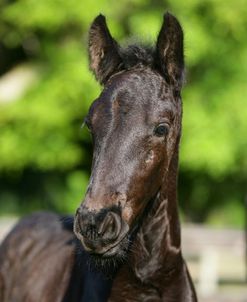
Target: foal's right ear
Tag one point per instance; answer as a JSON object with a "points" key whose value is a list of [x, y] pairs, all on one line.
{"points": [[103, 50]]}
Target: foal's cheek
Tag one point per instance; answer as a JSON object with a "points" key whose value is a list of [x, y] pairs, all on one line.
{"points": [[147, 181]]}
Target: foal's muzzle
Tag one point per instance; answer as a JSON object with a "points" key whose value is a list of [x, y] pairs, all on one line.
{"points": [[101, 232]]}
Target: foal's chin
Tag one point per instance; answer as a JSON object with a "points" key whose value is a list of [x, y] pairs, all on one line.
{"points": [[110, 259]]}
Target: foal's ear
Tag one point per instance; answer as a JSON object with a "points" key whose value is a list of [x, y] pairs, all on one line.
{"points": [[103, 50], [170, 52]]}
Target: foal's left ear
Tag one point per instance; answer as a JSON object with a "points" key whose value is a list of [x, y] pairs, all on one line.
{"points": [[103, 50], [170, 51]]}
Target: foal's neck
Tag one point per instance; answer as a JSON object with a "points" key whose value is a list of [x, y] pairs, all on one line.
{"points": [[157, 253]]}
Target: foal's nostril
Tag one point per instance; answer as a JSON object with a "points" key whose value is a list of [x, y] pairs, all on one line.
{"points": [[110, 227]]}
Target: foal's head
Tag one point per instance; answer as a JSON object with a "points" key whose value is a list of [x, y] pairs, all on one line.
{"points": [[135, 124]]}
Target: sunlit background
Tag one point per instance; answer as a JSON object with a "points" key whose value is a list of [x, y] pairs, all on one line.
{"points": [[46, 89]]}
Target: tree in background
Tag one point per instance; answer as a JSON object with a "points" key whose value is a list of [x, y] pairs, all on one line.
{"points": [[45, 155]]}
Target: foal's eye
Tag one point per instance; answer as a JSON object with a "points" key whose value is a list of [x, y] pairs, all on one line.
{"points": [[161, 130]]}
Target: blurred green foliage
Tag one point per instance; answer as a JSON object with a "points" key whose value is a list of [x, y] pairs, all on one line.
{"points": [[45, 157]]}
